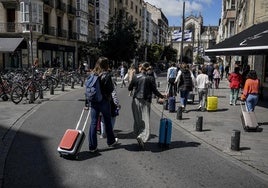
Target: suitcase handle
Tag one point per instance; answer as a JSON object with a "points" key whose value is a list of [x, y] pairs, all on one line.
{"points": [[166, 92], [242, 106], [80, 119]]}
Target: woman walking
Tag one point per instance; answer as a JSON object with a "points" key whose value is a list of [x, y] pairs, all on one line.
{"points": [[251, 91], [103, 107], [235, 79]]}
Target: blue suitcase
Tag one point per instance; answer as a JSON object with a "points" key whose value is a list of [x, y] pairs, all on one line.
{"points": [[172, 104], [165, 131]]}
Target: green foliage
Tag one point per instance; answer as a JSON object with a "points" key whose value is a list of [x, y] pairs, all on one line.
{"points": [[170, 53], [121, 41]]}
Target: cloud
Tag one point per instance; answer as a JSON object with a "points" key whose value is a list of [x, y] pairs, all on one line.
{"points": [[174, 8]]}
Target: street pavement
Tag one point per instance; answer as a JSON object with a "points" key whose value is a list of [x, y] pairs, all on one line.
{"points": [[218, 127], [13, 115]]}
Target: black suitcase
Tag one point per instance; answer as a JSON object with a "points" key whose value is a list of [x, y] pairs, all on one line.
{"points": [[172, 104]]}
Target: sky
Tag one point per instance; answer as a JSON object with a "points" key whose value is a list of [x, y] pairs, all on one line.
{"points": [[173, 10]]}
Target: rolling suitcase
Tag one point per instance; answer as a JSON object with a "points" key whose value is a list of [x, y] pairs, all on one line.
{"points": [[165, 131], [73, 139], [172, 104], [249, 120], [212, 102]]}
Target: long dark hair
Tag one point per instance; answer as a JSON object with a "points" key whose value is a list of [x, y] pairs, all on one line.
{"points": [[252, 75]]}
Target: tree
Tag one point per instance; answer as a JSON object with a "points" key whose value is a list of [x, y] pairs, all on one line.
{"points": [[121, 41], [152, 52], [170, 53]]}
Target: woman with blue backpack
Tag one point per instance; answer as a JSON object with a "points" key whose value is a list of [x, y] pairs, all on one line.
{"points": [[99, 88]]}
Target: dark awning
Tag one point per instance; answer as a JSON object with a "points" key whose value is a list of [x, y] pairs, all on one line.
{"points": [[9, 44], [252, 41]]}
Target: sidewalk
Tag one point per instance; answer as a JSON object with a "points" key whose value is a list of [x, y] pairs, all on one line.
{"points": [[12, 116], [218, 128]]}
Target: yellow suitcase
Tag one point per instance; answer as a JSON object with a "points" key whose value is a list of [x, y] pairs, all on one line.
{"points": [[212, 103]]}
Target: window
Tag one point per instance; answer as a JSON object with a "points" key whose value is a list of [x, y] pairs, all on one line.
{"points": [[233, 4], [232, 28], [31, 13], [24, 12]]}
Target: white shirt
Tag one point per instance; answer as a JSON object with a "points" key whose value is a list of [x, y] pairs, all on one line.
{"points": [[202, 81]]}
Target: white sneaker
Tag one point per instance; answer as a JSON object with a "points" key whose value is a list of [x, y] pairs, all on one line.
{"points": [[115, 143]]}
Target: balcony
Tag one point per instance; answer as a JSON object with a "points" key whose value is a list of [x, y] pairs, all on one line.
{"points": [[61, 6], [10, 27], [49, 3], [72, 35], [91, 2], [229, 14], [71, 9], [91, 19], [9, 3]]}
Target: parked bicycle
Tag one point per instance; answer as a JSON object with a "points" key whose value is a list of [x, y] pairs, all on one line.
{"points": [[28, 87]]}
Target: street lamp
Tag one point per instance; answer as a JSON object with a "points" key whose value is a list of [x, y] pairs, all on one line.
{"points": [[31, 33]]}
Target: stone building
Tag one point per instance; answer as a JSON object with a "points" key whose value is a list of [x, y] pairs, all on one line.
{"points": [[197, 38], [51, 30], [241, 16]]}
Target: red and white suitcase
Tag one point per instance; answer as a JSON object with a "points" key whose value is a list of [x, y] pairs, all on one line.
{"points": [[249, 120], [73, 139]]}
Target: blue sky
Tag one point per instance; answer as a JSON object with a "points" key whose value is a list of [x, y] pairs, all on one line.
{"points": [[173, 10]]}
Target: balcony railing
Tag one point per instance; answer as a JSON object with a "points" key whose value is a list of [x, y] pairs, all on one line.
{"points": [[61, 6], [49, 2], [91, 2], [71, 9], [12, 27]]}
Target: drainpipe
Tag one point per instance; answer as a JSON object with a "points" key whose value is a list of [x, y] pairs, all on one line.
{"points": [[253, 16]]}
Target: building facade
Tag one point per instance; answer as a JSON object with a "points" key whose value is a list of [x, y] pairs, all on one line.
{"points": [[197, 38], [238, 15], [101, 16], [159, 33], [52, 31]]}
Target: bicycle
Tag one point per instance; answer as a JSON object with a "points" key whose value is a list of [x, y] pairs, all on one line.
{"points": [[24, 90]]}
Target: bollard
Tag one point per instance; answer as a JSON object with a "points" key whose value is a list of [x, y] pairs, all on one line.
{"points": [[82, 83], [235, 140], [158, 84], [179, 113], [51, 89], [199, 123], [31, 99], [72, 86], [41, 94], [62, 86]]}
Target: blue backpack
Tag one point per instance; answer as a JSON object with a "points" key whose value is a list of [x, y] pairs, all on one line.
{"points": [[93, 90]]}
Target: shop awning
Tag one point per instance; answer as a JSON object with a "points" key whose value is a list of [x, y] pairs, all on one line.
{"points": [[252, 41], [9, 44]]}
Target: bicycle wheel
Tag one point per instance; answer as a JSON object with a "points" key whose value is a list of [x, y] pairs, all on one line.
{"points": [[34, 87], [16, 94], [44, 84]]}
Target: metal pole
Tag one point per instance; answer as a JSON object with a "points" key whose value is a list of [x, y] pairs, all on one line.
{"points": [[31, 34], [182, 34]]}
